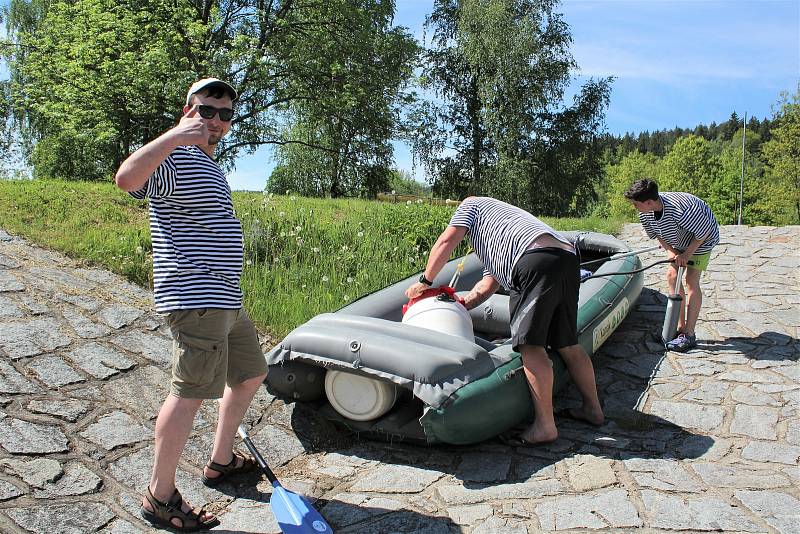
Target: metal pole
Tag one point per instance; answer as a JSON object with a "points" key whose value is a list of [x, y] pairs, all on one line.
{"points": [[741, 183]]}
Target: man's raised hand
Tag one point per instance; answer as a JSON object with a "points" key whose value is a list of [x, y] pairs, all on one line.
{"points": [[192, 129]]}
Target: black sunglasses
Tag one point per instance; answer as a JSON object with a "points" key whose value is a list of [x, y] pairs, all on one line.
{"points": [[208, 112]]}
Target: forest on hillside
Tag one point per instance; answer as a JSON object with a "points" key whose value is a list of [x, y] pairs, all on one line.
{"points": [[331, 84]]}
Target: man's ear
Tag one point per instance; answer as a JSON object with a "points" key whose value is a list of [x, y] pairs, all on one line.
{"points": [[186, 109]]}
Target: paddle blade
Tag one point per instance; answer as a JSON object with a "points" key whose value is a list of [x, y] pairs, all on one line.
{"points": [[294, 513]]}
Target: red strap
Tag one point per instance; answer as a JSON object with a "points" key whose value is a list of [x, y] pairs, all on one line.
{"points": [[434, 292]]}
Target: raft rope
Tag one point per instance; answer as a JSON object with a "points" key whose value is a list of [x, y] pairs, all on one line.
{"points": [[459, 268]]}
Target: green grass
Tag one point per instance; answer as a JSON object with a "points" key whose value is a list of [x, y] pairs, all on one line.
{"points": [[302, 256]]}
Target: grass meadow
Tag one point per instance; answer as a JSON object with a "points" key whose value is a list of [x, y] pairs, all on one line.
{"points": [[303, 256]]}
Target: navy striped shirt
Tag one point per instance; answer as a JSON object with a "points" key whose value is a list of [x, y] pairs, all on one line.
{"points": [[500, 233], [684, 218], [197, 239]]}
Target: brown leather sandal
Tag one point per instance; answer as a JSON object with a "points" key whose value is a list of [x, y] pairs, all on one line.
{"points": [[225, 471], [164, 512]]}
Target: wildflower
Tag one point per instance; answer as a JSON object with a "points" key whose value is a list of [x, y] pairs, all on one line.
{"points": [[139, 250], [249, 262], [298, 228], [282, 214], [303, 286], [346, 298], [344, 248], [324, 278], [300, 242], [419, 201], [315, 250], [393, 191], [287, 192], [408, 202], [395, 249], [292, 198], [360, 234], [349, 279], [283, 234]]}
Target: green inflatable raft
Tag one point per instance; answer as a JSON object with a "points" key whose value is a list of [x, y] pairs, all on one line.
{"points": [[371, 373]]}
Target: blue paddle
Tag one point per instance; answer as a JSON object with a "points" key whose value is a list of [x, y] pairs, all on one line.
{"points": [[294, 513]]}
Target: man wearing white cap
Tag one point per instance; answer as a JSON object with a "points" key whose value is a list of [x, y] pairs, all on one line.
{"points": [[197, 264]]}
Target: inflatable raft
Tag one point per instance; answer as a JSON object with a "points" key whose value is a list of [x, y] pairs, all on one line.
{"points": [[433, 379]]}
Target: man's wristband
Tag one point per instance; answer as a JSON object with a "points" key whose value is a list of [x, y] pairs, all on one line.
{"points": [[423, 280]]}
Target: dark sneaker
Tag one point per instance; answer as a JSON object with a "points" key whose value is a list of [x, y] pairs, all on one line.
{"points": [[682, 343]]}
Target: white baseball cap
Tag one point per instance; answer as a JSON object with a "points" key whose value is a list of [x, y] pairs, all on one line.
{"points": [[205, 83]]}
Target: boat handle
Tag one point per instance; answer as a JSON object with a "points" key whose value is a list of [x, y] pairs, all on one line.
{"points": [[510, 374]]}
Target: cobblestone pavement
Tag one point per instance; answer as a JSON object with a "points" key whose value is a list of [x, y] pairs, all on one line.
{"points": [[704, 441]]}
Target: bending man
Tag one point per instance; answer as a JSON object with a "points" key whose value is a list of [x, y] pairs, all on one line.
{"points": [[540, 269], [197, 263], [687, 230]]}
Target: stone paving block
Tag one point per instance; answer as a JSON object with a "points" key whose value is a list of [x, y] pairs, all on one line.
{"points": [[116, 429], [662, 475], [54, 372], [748, 395], [738, 476], [11, 381], [127, 391], [529, 468], [9, 491], [688, 415], [119, 315], [31, 337], [676, 512], [767, 451], [155, 348], [37, 472], [750, 377], [483, 467], [278, 446], [530, 489], [699, 367], [469, 514], [10, 283], [85, 302], [21, 437], [67, 409], [121, 526], [85, 327], [586, 473], [500, 525], [9, 308], [77, 480], [100, 361], [778, 509], [245, 515], [755, 421], [609, 509], [396, 479], [33, 306], [709, 392], [73, 518]]}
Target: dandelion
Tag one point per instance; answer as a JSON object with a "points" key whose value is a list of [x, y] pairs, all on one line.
{"points": [[291, 233], [419, 201], [298, 228], [349, 279], [303, 286], [360, 234], [315, 250], [344, 248], [324, 279], [287, 192], [292, 198], [282, 214], [408, 202], [395, 249], [346, 298], [283, 234], [300, 242], [139, 250], [393, 191], [249, 262]]}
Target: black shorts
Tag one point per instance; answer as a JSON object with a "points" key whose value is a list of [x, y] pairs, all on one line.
{"points": [[543, 301]]}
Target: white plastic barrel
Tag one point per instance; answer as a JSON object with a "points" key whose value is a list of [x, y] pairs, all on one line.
{"points": [[357, 397], [445, 316]]}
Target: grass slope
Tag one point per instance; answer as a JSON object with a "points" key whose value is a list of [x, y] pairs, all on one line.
{"points": [[303, 256]]}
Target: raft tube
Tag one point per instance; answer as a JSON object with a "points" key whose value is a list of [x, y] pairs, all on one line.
{"points": [[451, 390]]}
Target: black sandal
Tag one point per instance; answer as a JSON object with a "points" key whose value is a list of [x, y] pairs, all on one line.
{"points": [[225, 471], [164, 512]]}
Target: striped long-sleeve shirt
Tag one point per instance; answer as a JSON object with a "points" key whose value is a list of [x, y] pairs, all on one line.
{"points": [[197, 239], [500, 233], [684, 218]]}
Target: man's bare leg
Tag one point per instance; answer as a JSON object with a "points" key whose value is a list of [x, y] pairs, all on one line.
{"points": [[694, 297], [173, 426], [232, 408], [539, 373], [672, 276], [581, 370]]}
